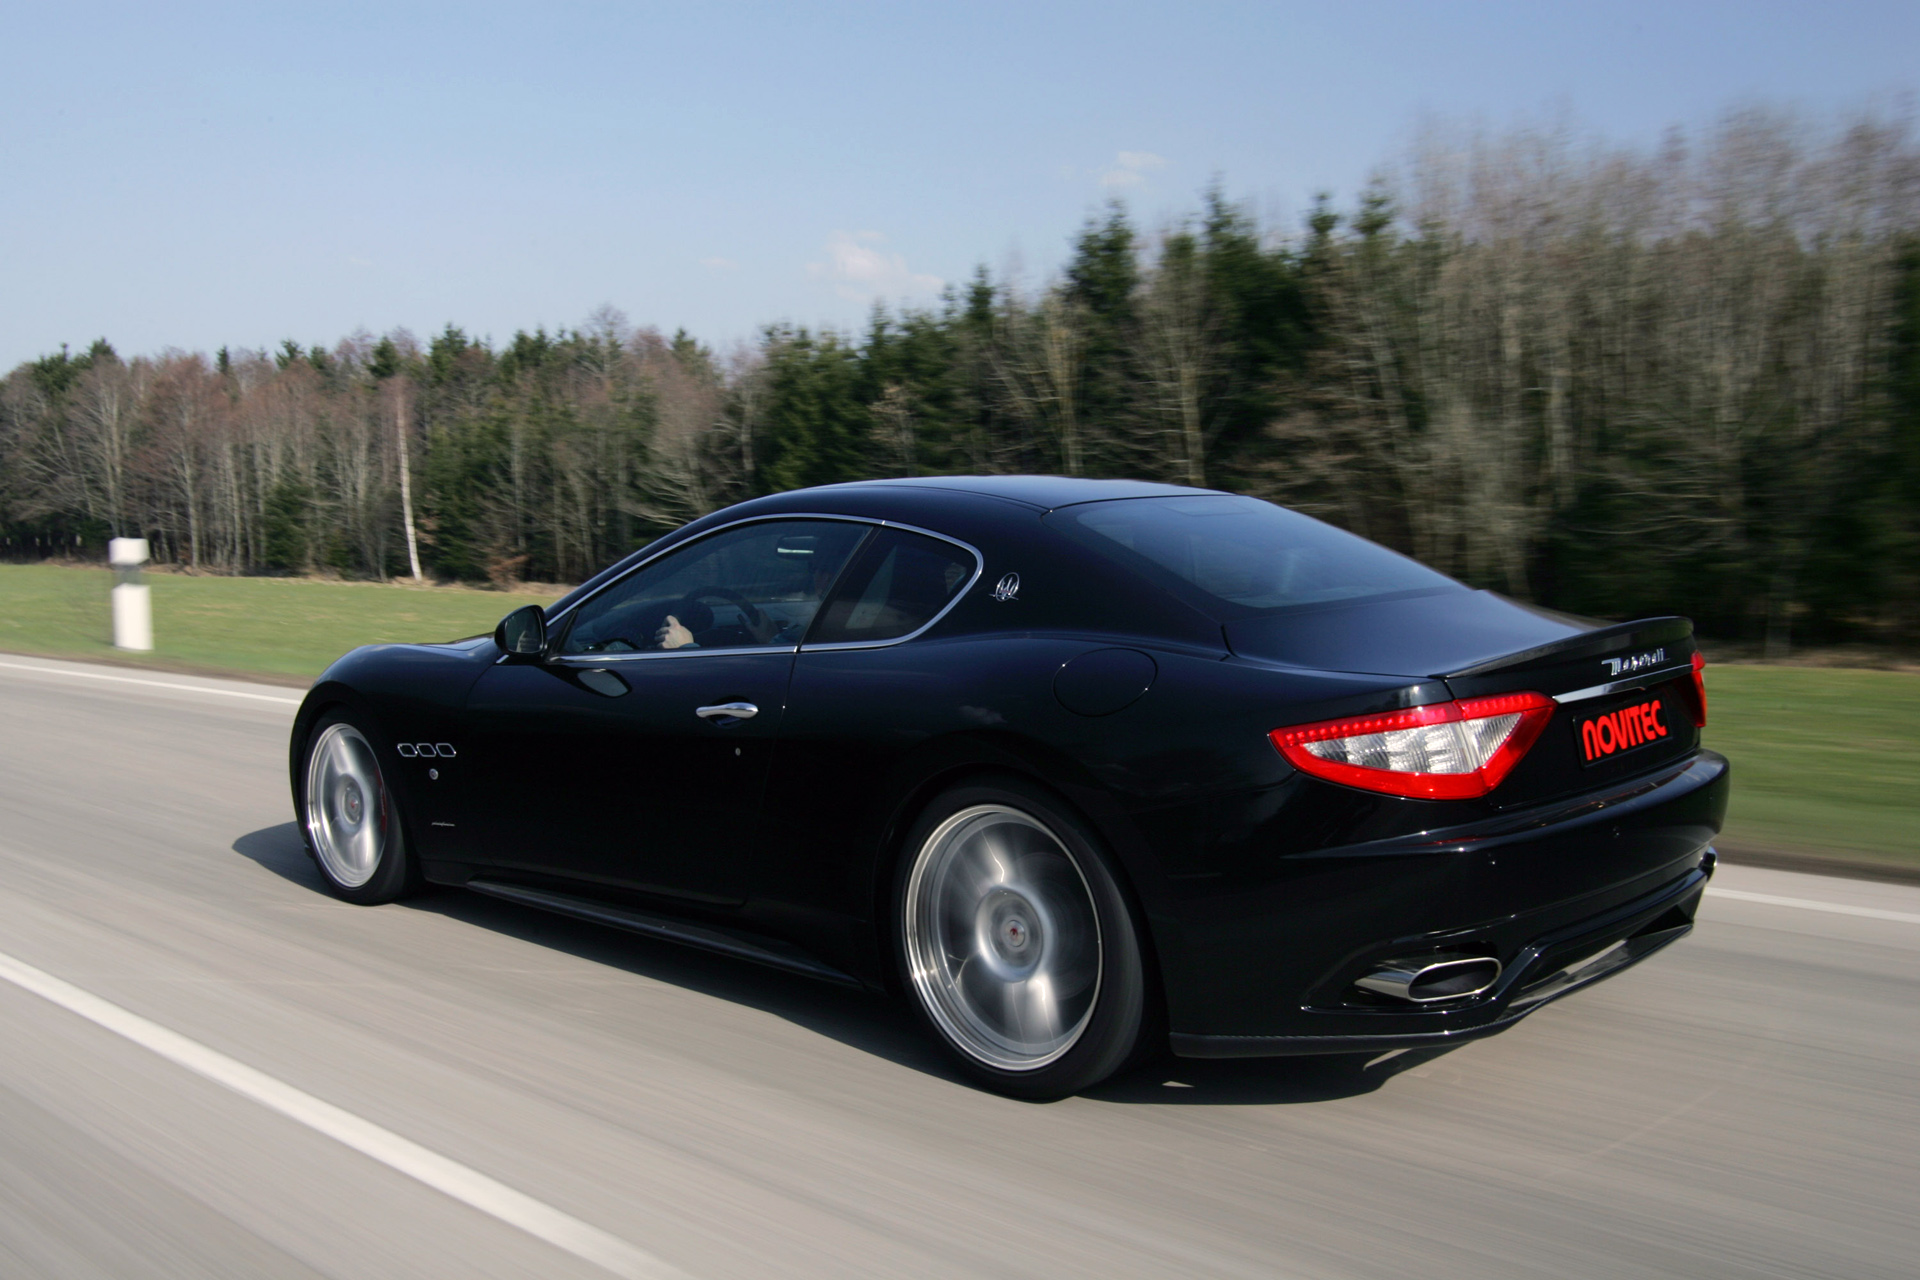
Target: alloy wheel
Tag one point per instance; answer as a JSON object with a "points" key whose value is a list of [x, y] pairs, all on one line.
{"points": [[348, 813], [1002, 938]]}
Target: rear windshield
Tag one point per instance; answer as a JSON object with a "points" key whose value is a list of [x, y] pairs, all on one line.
{"points": [[1245, 555]]}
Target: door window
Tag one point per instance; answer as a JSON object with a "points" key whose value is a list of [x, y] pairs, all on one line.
{"points": [[900, 584], [754, 586]]}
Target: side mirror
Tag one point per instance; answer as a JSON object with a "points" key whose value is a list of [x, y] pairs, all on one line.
{"points": [[523, 633]]}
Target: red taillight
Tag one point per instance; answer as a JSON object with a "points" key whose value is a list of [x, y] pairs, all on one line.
{"points": [[1699, 707], [1444, 751]]}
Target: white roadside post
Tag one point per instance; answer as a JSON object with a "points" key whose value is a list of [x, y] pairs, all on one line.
{"points": [[132, 607]]}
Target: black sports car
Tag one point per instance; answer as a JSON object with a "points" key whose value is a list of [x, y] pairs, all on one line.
{"points": [[1083, 768]]}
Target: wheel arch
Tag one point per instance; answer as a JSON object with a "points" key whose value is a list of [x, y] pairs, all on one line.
{"points": [[944, 764], [324, 698]]}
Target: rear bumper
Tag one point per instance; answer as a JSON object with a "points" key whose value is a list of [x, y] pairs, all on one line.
{"points": [[1561, 895], [1550, 967]]}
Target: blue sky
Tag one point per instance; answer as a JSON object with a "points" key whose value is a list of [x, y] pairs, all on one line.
{"points": [[198, 176]]}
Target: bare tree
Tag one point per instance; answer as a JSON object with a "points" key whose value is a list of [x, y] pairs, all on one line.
{"points": [[398, 402], [1038, 362], [893, 421], [106, 417], [1179, 347], [188, 405]]}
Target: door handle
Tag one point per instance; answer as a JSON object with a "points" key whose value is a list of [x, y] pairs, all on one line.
{"points": [[728, 711]]}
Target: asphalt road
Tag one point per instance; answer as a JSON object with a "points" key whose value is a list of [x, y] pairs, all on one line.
{"points": [[228, 1073]]}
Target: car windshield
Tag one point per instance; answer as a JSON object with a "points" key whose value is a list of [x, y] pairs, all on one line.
{"points": [[1246, 555]]}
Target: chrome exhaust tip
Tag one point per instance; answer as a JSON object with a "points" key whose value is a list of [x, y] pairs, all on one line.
{"points": [[1431, 979]]}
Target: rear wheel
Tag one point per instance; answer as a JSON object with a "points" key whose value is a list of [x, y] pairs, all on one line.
{"points": [[1017, 943], [349, 816]]}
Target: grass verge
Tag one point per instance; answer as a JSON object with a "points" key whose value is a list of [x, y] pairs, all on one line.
{"points": [[1826, 761], [280, 628]]}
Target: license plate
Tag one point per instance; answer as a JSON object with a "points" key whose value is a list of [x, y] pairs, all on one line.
{"points": [[1629, 728]]}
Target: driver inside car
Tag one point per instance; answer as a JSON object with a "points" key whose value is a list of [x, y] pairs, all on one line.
{"points": [[676, 634]]}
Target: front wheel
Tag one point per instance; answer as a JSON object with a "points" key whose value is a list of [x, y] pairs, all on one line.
{"points": [[349, 817], [1017, 943]]}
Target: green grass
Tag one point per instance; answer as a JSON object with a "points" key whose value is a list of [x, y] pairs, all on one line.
{"points": [[263, 626], [1826, 762]]}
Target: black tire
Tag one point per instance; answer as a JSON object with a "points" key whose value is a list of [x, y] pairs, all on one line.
{"points": [[1015, 941], [352, 825]]}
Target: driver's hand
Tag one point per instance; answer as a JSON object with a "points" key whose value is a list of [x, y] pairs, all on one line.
{"points": [[673, 635]]}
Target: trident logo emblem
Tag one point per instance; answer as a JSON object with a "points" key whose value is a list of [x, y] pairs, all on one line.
{"points": [[1007, 588]]}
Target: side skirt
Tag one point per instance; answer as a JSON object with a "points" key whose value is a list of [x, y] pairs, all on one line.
{"points": [[768, 951]]}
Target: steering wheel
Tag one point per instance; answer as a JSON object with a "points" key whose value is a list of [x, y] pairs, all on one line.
{"points": [[756, 620]]}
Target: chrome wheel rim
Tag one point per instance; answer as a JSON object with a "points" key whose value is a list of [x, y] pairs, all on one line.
{"points": [[348, 815], [1002, 940]]}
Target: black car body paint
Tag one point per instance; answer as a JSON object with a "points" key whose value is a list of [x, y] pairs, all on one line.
{"points": [[1263, 892]]}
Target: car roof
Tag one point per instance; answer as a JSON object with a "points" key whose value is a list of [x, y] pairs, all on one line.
{"points": [[1043, 493], [869, 498]]}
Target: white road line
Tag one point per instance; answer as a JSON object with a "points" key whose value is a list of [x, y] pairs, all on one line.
{"points": [[1809, 904], [468, 1186], [156, 684]]}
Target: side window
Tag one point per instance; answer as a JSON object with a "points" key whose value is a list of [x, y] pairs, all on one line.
{"points": [[896, 587], [757, 585]]}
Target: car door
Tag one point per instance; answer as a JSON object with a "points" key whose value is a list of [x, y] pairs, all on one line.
{"points": [[862, 693], [634, 755]]}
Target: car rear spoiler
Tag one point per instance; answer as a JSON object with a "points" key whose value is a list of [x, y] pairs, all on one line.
{"points": [[1647, 633]]}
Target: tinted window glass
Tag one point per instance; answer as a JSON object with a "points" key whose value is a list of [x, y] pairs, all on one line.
{"points": [[756, 585], [1244, 553], [898, 585]]}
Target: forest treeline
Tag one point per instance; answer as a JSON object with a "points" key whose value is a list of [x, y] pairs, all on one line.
{"points": [[1612, 381]]}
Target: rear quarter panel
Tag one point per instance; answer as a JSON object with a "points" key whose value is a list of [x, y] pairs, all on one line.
{"points": [[872, 735]]}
